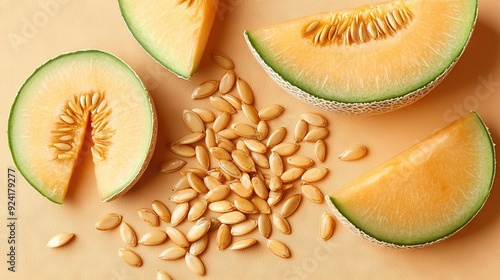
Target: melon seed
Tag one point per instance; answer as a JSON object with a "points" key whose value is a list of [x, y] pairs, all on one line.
{"points": [[192, 121], [128, 234], [179, 213], [270, 112], [222, 206], [221, 105], [314, 119], [285, 149], [108, 221], [227, 82], [292, 174], [206, 89], [221, 121], [223, 237], [300, 131], [260, 188], [262, 130], [278, 248], [161, 210], [265, 226], [222, 60], [199, 229], [276, 163], [232, 217], [191, 138], [229, 168], [171, 165], [185, 195], [218, 193], [312, 193], [353, 153], [196, 182], [206, 115], [244, 130], [261, 205], [199, 246], [202, 157], [182, 150], [194, 264], [314, 174], [290, 205], [162, 275], [149, 216], [245, 91], [316, 134], [154, 237], [233, 100], [255, 145], [326, 226], [300, 161], [210, 138], [243, 244], [130, 257], [197, 210], [60, 239], [281, 224], [320, 150], [243, 161], [244, 205], [276, 137], [177, 237], [244, 227]]}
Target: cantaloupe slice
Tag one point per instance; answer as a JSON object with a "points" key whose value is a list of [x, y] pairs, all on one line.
{"points": [[368, 60], [426, 193], [173, 32], [61, 101]]}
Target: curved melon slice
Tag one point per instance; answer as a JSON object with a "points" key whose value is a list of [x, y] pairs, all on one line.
{"points": [[60, 101], [368, 60], [174, 32], [426, 193]]}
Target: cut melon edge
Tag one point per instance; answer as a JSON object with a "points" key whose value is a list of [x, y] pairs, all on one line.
{"points": [[358, 231]]}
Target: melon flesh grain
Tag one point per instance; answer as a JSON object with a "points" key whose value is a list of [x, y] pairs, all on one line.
{"points": [[173, 32], [426, 193], [369, 77], [44, 97]]}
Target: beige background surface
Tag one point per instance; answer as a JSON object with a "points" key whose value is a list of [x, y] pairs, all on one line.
{"points": [[32, 32]]}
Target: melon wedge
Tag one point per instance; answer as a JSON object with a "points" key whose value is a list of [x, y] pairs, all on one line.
{"points": [[426, 193], [173, 32], [56, 107], [368, 60]]}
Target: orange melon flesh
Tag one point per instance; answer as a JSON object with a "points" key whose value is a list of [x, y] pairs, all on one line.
{"points": [[173, 33], [33, 129], [411, 59], [426, 193]]}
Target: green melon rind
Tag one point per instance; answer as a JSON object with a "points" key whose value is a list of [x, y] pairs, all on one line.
{"points": [[156, 57], [11, 138], [374, 107], [343, 218]]}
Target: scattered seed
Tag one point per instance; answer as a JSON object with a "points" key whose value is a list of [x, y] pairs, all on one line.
{"points": [[290, 205], [245, 91], [232, 217], [233, 100], [260, 160], [182, 150], [245, 206], [260, 188], [198, 209], [255, 145], [162, 275], [314, 119], [240, 190], [67, 119], [300, 161], [312, 193], [185, 195], [244, 227], [243, 161], [199, 229], [128, 234], [353, 153], [265, 226], [292, 174], [196, 183], [149, 216], [222, 60], [275, 183], [210, 138], [276, 163], [177, 237], [192, 121], [311, 27], [244, 130], [199, 246], [276, 137], [206, 115], [221, 206], [108, 221], [285, 149], [221, 105], [275, 197], [206, 89], [281, 224], [60, 239], [225, 144], [172, 165], [261, 205], [202, 156], [220, 153], [154, 237], [243, 244], [62, 146], [191, 138], [179, 213], [224, 237], [161, 210], [270, 112], [196, 171], [130, 257], [316, 134], [300, 130], [320, 150], [221, 121], [181, 184], [314, 174], [218, 193], [227, 82], [262, 130], [278, 248], [229, 168], [194, 264], [327, 226]]}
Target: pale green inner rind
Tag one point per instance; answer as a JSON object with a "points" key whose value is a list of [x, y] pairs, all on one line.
{"points": [[377, 229], [42, 77], [282, 64]]}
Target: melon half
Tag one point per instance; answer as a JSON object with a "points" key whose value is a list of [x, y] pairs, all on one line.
{"points": [[173, 32], [79, 104], [367, 60], [426, 193]]}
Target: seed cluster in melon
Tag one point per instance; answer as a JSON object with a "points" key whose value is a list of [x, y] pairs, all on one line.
{"points": [[51, 114]]}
